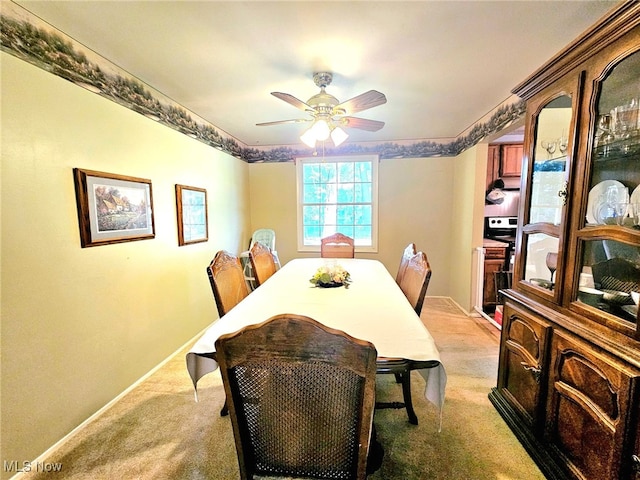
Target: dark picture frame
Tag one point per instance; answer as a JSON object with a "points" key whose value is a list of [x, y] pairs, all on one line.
{"points": [[113, 208], [193, 221]]}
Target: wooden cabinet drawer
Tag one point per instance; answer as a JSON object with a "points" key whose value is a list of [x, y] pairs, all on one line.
{"points": [[495, 253]]}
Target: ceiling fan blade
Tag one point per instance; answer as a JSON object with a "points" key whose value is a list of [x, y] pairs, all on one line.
{"points": [[290, 99], [369, 99], [278, 122], [362, 123]]}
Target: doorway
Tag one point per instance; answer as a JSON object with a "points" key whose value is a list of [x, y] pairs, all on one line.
{"points": [[495, 257]]}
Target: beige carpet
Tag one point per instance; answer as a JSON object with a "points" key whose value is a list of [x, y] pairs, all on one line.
{"points": [[158, 431]]}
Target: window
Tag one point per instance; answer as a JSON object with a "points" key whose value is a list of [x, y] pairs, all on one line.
{"points": [[338, 194]]}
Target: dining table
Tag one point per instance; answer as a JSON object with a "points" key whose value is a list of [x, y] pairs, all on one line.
{"points": [[371, 307]]}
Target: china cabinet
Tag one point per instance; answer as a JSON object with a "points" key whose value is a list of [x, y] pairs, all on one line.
{"points": [[569, 372]]}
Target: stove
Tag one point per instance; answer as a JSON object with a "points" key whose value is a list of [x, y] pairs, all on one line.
{"points": [[502, 229]]}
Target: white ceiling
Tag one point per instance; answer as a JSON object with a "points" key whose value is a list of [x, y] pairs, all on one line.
{"points": [[441, 64]]}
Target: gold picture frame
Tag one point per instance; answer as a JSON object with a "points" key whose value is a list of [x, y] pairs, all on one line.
{"points": [[193, 221]]}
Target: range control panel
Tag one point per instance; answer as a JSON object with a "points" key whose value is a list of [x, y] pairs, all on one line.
{"points": [[502, 223]]}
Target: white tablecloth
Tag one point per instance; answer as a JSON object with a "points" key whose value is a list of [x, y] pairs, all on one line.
{"points": [[373, 308]]}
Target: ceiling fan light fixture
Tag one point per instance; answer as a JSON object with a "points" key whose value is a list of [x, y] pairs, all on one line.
{"points": [[329, 114], [338, 136], [321, 130], [309, 138]]}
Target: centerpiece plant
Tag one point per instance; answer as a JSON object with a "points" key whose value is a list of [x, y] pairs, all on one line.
{"points": [[331, 276]]}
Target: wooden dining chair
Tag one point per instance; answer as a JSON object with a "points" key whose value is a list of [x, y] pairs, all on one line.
{"points": [[262, 263], [415, 280], [227, 281], [229, 287], [414, 283], [301, 398], [409, 252], [337, 245]]}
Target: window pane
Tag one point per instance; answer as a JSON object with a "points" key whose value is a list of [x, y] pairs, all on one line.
{"points": [[363, 214], [362, 192], [363, 171], [311, 172], [345, 172], [312, 235], [345, 193], [348, 231], [311, 215], [312, 193], [345, 215], [362, 236], [327, 172]]}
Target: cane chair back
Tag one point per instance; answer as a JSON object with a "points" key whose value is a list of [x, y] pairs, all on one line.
{"points": [[409, 252], [415, 280], [227, 281], [337, 245], [301, 398], [262, 263]]}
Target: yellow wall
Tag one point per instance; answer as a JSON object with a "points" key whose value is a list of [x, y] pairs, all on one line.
{"points": [[468, 222], [80, 325], [417, 196]]}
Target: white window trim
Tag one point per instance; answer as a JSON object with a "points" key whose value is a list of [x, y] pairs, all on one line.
{"points": [[374, 159]]}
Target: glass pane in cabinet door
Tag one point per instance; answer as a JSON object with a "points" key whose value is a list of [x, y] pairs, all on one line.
{"points": [[550, 162], [541, 260], [610, 278], [614, 192], [542, 228]]}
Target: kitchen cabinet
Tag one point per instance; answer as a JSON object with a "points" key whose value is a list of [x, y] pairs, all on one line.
{"points": [[511, 160], [493, 165], [503, 160], [495, 253], [569, 370]]}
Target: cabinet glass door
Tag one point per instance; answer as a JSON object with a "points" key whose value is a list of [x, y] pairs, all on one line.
{"points": [[610, 240], [542, 229]]}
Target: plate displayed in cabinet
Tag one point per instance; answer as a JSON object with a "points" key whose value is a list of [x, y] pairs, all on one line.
{"points": [[635, 195], [597, 202], [631, 310]]}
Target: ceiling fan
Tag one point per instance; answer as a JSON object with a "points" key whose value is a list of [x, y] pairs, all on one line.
{"points": [[329, 115]]}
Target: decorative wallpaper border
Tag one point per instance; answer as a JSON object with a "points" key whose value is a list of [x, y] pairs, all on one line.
{"points": [[38, 43]]}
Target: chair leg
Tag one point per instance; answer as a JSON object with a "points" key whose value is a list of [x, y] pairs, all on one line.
{"points": [[225, 409], [398, 378], [406, 392]]}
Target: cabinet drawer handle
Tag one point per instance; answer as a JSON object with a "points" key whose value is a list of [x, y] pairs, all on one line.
{"points": [[535, 371]]}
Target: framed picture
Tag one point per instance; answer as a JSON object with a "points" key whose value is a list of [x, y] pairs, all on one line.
{"points": [[191, 204], [112, 208]]}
